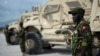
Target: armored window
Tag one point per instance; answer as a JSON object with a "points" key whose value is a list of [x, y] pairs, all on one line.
{"points": [[73, 4], [51, 9], [91, 1], [50, 18]]}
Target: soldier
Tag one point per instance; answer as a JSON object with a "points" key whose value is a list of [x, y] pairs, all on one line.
{"points": [[82, 38], [22, 42], [22, 39]]}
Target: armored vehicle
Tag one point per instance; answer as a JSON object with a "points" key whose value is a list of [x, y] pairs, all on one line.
{"points": [[50, 25], [95, 24], [11, 33], [12, 30]]}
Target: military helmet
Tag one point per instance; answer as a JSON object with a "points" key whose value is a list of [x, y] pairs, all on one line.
{"points": [[77, 10], [77, 14]]}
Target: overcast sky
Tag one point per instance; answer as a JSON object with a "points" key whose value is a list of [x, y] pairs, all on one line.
{"points": [[11, 9]]}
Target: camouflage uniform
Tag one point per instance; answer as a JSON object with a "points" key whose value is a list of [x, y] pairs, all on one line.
{"points": [[82, 41], [82, 38], [22, 38], [22, 41]]}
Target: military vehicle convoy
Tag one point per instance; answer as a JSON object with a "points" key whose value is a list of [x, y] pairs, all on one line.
{"points": [[49, 25], [11, 33]]}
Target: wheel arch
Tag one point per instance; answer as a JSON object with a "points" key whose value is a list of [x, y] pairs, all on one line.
{"points": [[35, 30]]}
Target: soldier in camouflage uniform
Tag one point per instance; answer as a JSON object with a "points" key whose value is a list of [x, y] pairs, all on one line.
{"points": [[82, 38], [22, 39]]}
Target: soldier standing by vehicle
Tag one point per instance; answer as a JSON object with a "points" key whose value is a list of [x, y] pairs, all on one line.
{"points": [[82, 38], [22, 39]]}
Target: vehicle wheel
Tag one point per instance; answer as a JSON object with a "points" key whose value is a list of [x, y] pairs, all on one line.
{"points": [[13, 38], [33, 43]]}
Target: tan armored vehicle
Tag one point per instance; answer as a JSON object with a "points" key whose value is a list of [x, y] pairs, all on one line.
{"points": [[12, 30], [95, 22], [49, 25], [11, 33]]}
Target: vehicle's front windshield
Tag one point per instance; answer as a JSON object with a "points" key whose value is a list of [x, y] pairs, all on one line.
{"points": [[51, 8], [73, 4]]}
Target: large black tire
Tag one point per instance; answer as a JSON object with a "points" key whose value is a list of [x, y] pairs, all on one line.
{"points": [[13, 38], [33, 43]]}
